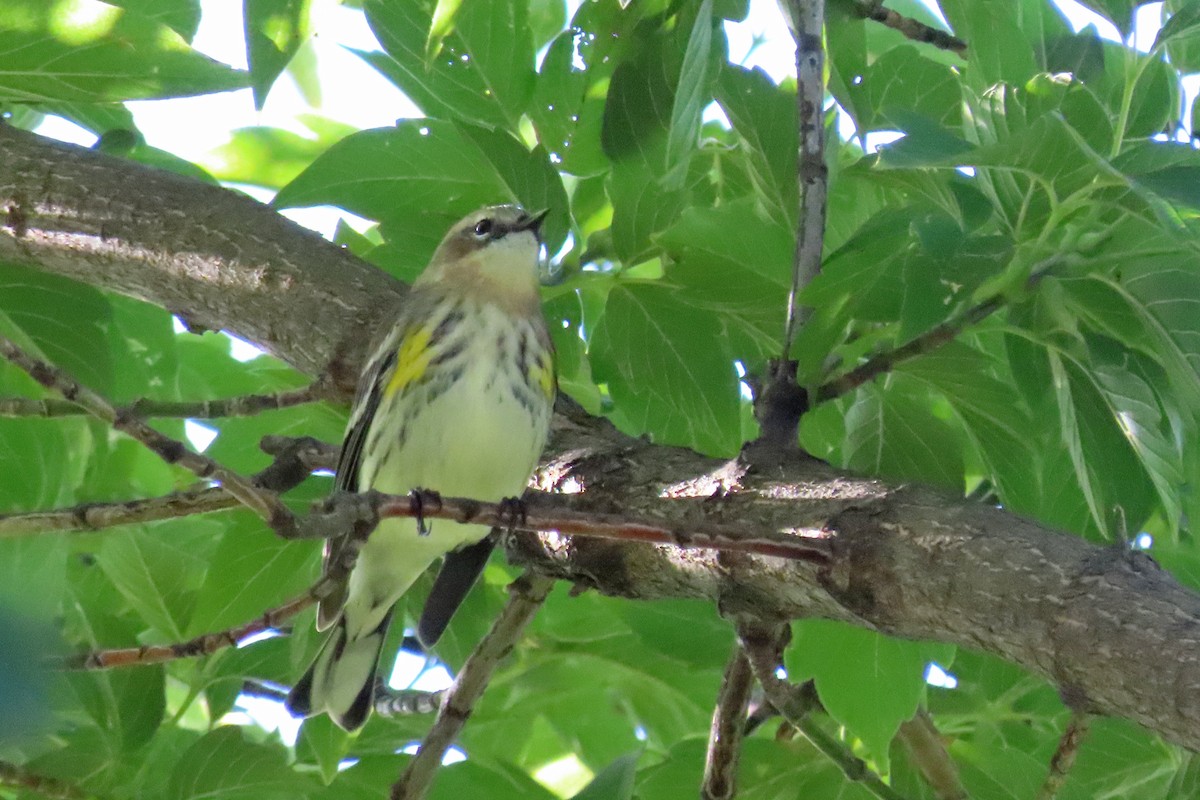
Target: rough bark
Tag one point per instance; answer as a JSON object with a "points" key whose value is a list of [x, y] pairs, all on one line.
{"points": [[1115, 633]]}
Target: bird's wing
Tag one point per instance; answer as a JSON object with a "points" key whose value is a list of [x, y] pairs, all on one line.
{"points": [[370, 392]]}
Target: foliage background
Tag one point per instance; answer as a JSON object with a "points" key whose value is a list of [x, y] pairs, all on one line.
{"points": [[1044, 150]]}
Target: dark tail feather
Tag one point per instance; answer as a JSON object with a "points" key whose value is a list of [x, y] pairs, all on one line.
{"points": [[460, 570], [340, 666]]}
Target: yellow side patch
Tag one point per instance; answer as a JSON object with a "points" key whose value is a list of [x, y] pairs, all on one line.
{"points": [[541, 374], [411, 360]]}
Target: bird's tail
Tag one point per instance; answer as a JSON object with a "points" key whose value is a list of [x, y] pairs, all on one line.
{"points": [[341, 680]]}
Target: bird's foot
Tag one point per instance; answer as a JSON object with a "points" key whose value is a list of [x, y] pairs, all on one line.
{"points": [[419, 499]]}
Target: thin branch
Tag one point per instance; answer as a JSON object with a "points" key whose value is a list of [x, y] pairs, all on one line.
{"points": [[929, 341], [1064, 756], [928, 752], [762, 648], [88, 517], [407, 702], [202, 645], [527, 594], [295, 459], [727, 538], [18, 777], [812, 173], [728, 725], [911, 28], [264, 503], [243, 406]]}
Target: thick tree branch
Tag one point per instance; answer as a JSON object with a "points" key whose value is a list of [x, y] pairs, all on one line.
{"points": [[908, 561], [217, 258]]}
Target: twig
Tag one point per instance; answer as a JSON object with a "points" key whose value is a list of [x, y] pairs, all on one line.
{"points": [[727, 538], [295, 459], [911, 28], [407, 702], [927, 342], [1064, 757], [812, 173], [245, 405], [87, 517], [527, 594], [931, 340], [172, 451], [728, 724], [929, 754], [762, 648], [21, 778], [202, 645]]}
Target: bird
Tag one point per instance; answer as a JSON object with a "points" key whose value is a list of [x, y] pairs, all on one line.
{"points": [[457, 399]]}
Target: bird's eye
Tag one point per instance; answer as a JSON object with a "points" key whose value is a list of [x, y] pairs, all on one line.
{"points": [[483, 228]]}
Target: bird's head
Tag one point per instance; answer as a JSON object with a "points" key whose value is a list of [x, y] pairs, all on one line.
{"points": [[493, 251]]}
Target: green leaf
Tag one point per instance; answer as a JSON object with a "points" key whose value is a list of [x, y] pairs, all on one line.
{"points": [[691, 96], [157, 574], [252, 570], [681, 629], [764, 116], [183, 16], [665, 379], [99, 53], [223, 764], [33, 302], [325, 743], [897, 433], [1180, 34], [868, 682], [995, 421], [903, 79], [422, 176], [273, 157], [481, 71], [275, 30], [1120, 759], [614, 782]]}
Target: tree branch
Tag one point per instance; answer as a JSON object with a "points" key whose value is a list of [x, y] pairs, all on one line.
{"points": [[1064, 756], [20, 778], [728, 726], [243, 406], [526, 596], [928, 752], [911, 28], [202, 645], [762, 646], [295, 459], [89, 517]]}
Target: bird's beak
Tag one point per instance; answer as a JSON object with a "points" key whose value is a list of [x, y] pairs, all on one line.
{"points": [[533, 222]]}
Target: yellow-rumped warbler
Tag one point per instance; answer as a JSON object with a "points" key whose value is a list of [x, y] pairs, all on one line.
{"points": [[456, 399]]}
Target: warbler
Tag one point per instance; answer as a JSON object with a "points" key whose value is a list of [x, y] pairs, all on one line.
{"points": [[456, 399]]}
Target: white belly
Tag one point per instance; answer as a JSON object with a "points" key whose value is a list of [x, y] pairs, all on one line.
{"points": [[475, 440]]}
